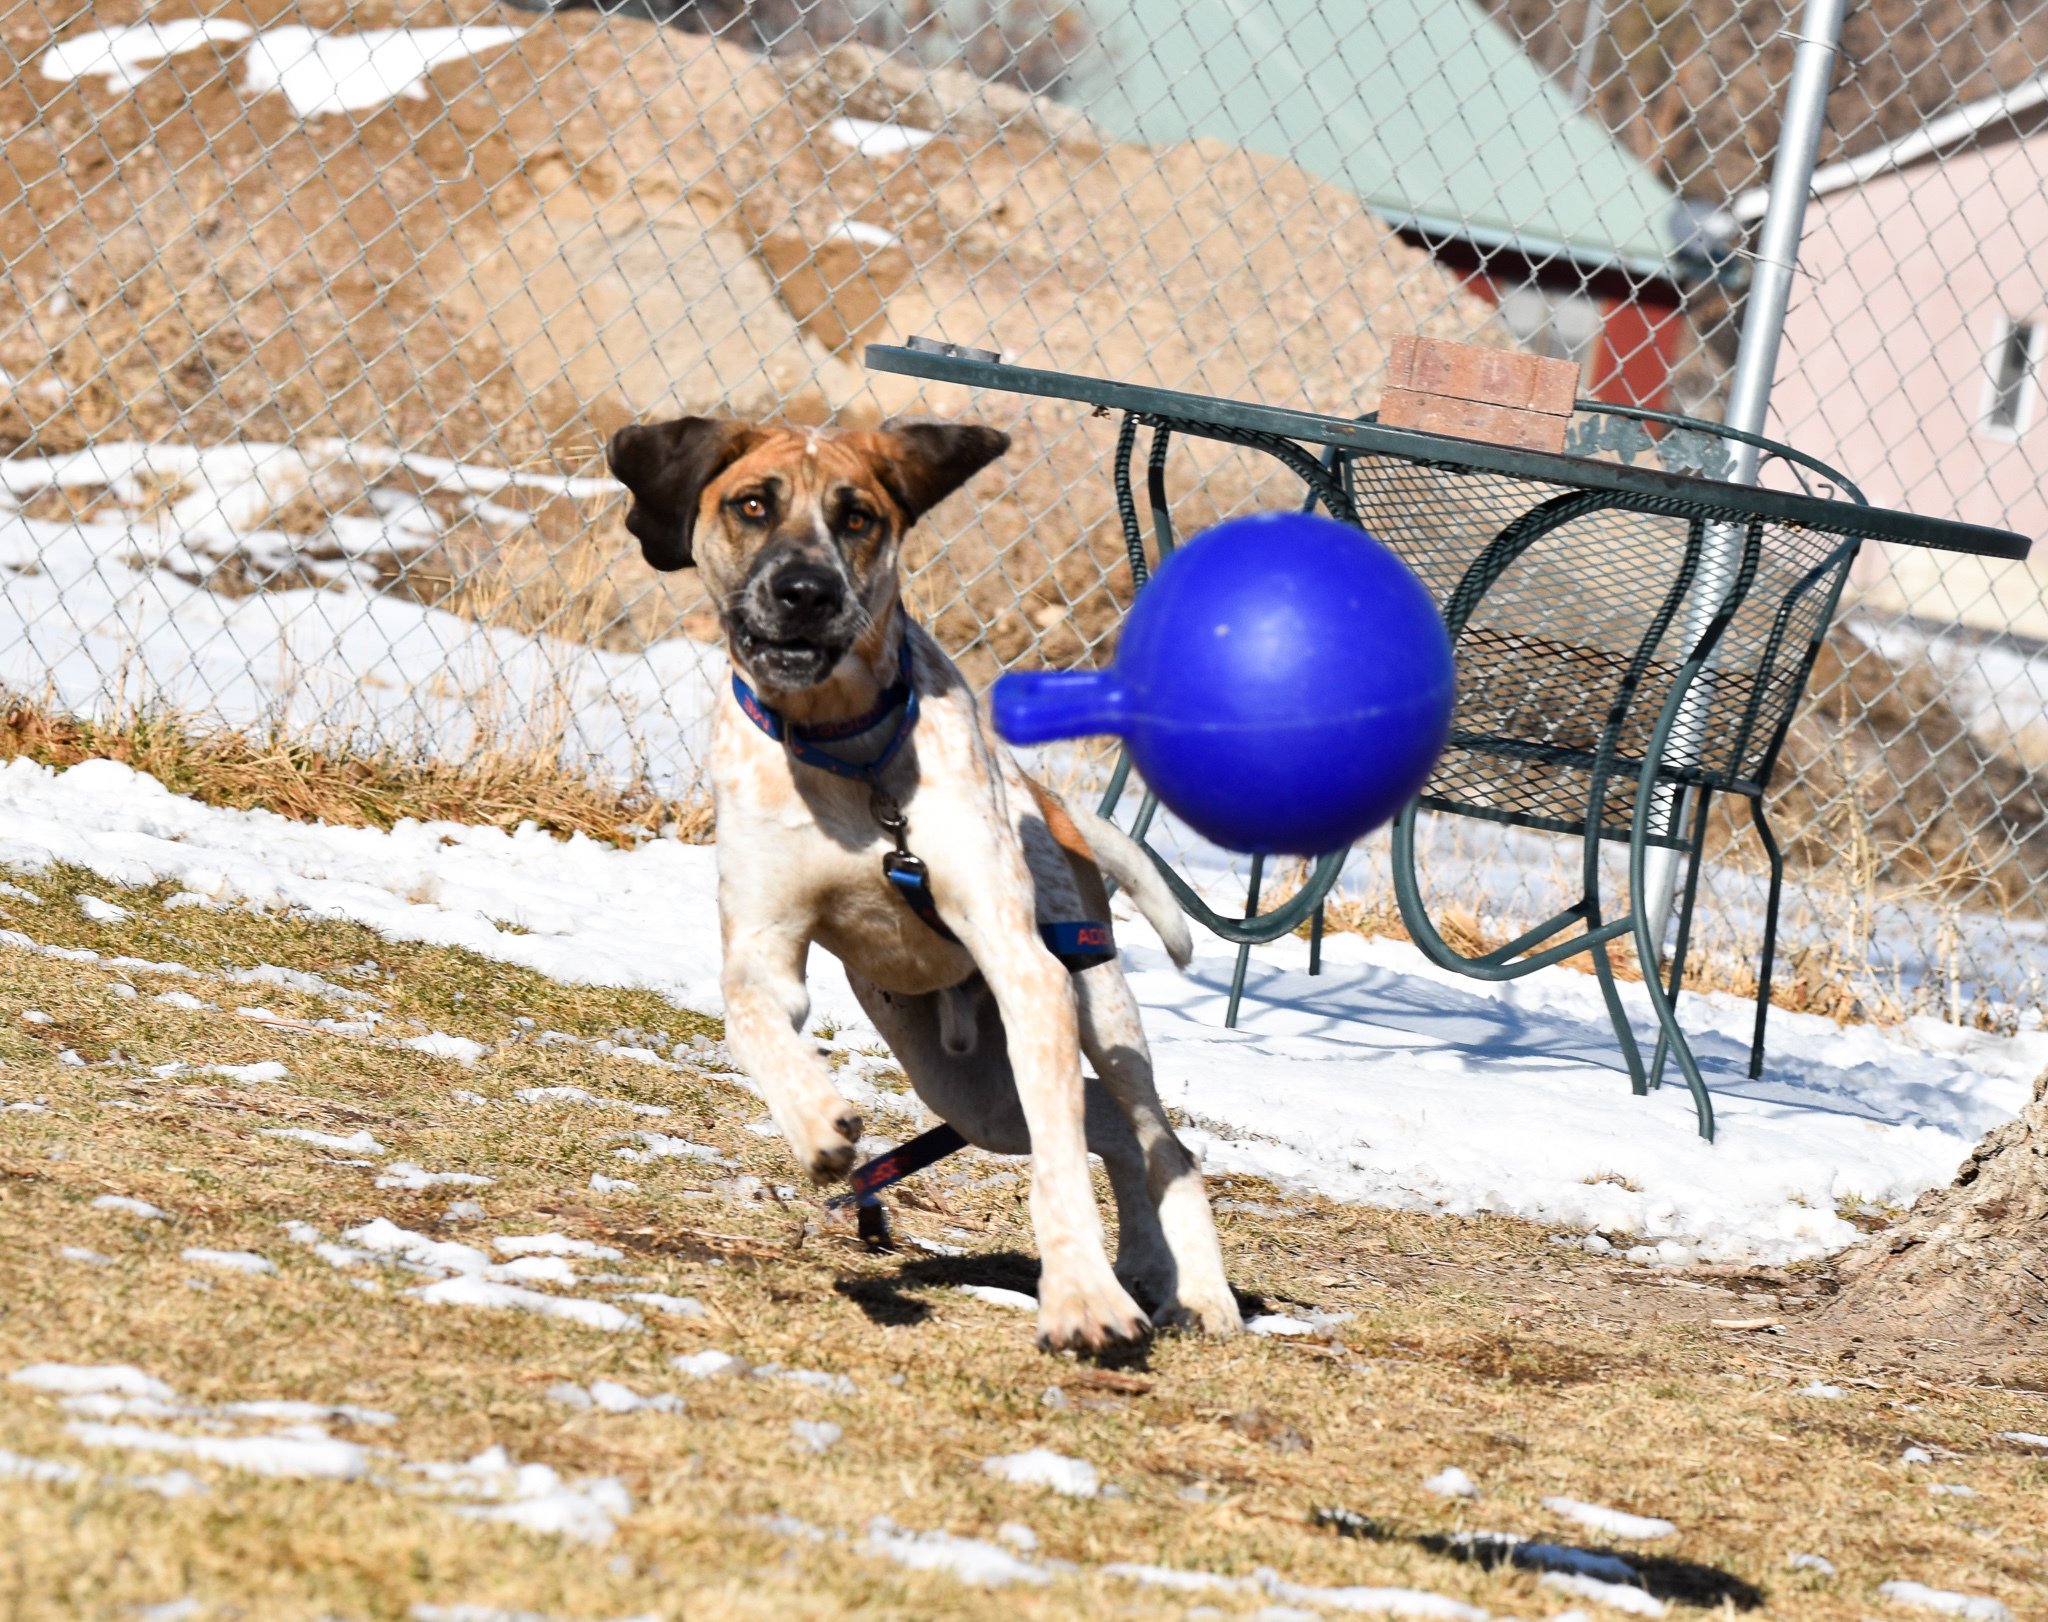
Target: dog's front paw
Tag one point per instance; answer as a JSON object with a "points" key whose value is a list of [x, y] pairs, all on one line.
{"points": [[1075, 1318], [826, 1145], [1203, 1315]]}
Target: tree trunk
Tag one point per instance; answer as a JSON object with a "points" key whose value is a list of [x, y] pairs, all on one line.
{"points": [[1966, 1273]]}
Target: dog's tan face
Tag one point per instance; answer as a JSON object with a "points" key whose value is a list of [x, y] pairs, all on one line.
{"points": [[796, 532]]}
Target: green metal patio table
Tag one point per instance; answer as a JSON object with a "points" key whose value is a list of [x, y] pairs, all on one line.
{"points": [[1631, 641]]}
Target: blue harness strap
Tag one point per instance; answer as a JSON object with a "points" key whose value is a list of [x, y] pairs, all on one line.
{"points": [[1079, 945]]}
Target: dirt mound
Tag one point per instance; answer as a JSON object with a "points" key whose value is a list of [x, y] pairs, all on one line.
{"points": [[1963, 1272], [605, 219]]}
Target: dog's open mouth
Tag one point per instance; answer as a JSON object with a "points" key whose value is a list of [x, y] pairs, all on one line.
{"points": [[789, 663]]}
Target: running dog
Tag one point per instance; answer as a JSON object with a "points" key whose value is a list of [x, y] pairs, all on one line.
{"points": [[865, 804]]}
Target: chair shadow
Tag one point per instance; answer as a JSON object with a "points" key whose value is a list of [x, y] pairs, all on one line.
{"points": [[1688, 1582]]}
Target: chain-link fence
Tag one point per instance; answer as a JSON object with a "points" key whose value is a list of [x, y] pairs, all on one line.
{"points": [[316, 315]]}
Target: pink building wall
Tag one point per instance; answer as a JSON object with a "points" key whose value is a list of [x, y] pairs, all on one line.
{"points": [[1885, 370]]}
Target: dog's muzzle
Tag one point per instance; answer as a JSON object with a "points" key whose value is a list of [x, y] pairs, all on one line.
{"points": [[793, 621]]}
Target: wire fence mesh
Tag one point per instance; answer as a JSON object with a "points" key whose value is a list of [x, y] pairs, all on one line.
{"points": [[316, 317]]}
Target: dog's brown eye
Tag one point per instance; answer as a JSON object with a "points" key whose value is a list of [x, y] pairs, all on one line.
{"points": [[856, 522], [753, 507]]}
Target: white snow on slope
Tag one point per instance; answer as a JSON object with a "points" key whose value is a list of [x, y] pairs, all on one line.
{"points": [[112, 612], [317, 72], [1382, 1081]]}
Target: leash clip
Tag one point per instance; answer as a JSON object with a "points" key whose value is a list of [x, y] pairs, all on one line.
{"points": [[907, 872], [889, 815]]}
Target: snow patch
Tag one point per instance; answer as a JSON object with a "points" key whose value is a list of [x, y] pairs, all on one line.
{"points": [[815, 1435], [708, 1365], [240, 1261], [876, 140], [356, 1143], [404, 1174], [81, 1379], [996, 1296], [613, 1398], [555, 1244], [470, 1291], [1619, 1595], [248, 1074], [675, 1306], [129, 1207], [443, 1046], [1614, 1522], [579, 1095], [316, 72], [15, 1466], [1971, 1607], [972, 1560], [302, 1457], [1381, 1081], [1040, 1467]]}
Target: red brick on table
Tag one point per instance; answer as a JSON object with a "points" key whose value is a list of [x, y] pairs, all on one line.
{"points": [[1469, 419], [1498, 395]]}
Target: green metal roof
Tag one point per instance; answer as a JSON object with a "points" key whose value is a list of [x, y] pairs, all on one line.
{"points": [[1426, 109]]}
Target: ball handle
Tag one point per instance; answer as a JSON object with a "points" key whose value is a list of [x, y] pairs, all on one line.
{"points": [[1039, 706]]}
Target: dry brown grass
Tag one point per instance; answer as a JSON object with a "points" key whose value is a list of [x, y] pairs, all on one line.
{"points": [[301, 779], [1473, 1343]]}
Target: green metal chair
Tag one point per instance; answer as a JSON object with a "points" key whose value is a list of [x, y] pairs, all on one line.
{"points": [[1622, 659], [1631, 641]]}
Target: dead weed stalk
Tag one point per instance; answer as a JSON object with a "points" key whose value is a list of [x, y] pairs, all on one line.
{"points": [[309, 781]]}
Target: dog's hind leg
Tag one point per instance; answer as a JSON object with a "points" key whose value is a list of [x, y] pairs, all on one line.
{"points": [[1196, 1293]]}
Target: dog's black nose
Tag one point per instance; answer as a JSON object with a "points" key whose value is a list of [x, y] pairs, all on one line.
{"points": [[806, 593]]}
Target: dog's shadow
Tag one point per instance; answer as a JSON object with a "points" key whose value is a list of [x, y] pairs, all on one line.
{"points": [[889, 1302]]}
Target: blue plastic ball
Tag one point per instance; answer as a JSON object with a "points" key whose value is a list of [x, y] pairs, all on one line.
{"points": [[1285, 685]]}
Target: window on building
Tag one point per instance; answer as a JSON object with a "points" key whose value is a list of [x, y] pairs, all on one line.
{"points": [[2012, 375]]}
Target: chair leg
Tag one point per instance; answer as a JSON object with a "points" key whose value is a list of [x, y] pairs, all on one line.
{"points": [[1315, 940], [1147, 809], [1671, 1035], [1763, 978], [1244, 952], [1603, 967], [1675, 982], [1624, 1033]]}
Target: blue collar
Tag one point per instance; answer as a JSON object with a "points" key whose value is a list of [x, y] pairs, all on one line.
{"points": [[804, 741]]}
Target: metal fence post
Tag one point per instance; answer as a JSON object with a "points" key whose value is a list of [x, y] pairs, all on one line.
{"points": [[1756, 362]]}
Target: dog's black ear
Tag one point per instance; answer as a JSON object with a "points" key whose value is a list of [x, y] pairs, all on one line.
{"points": [[933, 459], [667, 465]]}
